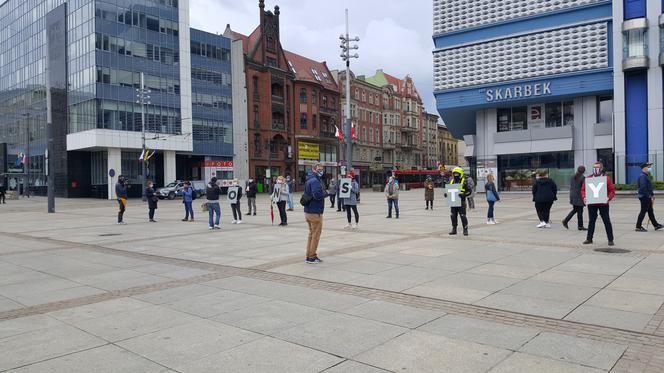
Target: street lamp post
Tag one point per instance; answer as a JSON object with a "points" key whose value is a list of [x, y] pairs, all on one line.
{"points": [[346, 56], [143, 99]]}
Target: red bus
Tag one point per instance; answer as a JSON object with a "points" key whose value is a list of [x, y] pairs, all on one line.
{"points": [[415, 178]]}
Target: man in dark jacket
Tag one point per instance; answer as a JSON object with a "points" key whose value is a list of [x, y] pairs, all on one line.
{"points": [[575, 198], [545, 192], [456, 212], [252, 189], [647, 198], [152, 199], [313, 212], [601, 208], [212, 193], [3, 189], [121, 195]]}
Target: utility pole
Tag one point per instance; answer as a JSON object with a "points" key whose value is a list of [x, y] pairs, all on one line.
{"points": [[143, 99], [346, 56], [26, 165]]}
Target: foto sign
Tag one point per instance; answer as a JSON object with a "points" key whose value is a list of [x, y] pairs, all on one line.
{"points": [[453, 192], [596, 190], [345, 186], [232, 194]]}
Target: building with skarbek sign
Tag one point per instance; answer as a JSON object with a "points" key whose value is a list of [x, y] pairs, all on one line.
{"points": [[537, 84]]}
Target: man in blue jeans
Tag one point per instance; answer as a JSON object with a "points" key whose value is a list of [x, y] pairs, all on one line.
{"points": [[392, 195], [212, 193]]}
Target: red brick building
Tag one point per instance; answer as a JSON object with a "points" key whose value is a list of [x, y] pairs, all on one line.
{"points": [[292, 105]]}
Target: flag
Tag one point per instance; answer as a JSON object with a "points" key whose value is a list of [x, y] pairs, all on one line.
{"points": [[150, 154], [338, 133], [146, 154], [352, 131], [140, 158]]}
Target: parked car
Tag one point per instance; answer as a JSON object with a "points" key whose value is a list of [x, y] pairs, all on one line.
{"points": [[175, 188]]}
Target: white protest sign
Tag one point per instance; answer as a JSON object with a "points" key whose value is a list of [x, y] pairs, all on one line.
{"points": [[345, 185], [232, 194], [596, 190], [453, 192]]}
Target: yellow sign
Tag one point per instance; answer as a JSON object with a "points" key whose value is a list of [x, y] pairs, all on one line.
{"points": [[308, 150]]}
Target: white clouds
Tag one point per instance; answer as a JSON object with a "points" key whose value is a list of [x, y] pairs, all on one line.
{"points": [[394, 35]]}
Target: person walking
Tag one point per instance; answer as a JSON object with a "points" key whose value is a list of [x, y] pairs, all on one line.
{"points": [[188, 200], [3, 190], [152, 199], [646, 196], [252, 190], [121, 195], [471, 196], [492, 197], [314, 206], [212, 193], [332, 191], [459, 212], [280, 198], [428, 192], [392, 195], [575, 199], [235, 207], [545, 192], [290, 183], [351, 203], [601, 208]]}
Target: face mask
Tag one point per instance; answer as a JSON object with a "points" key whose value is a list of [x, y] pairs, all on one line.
{"points": [[319, 173], [597, 171]]}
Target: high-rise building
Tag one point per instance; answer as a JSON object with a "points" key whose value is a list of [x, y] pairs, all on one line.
{"points": [[536, 84], [90, 55]]}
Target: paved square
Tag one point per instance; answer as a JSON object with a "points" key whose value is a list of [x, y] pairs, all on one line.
{"points": [[83, 294]]}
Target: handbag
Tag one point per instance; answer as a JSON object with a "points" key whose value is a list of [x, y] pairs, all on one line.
{"points": [[306, 199], [490, 196]]}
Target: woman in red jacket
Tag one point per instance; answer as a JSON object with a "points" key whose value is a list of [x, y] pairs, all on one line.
{"points": [[601, 208]]}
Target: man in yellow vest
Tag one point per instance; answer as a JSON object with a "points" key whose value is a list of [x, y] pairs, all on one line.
{"points": [[457, 178]]}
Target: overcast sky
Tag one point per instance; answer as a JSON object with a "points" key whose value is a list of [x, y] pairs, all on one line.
{"points": [[395, 35]]}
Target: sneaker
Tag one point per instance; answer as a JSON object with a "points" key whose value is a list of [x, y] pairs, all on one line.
{"points": [[541, 224], [640, 229], [347, 226], [488, 221], [234, 222], [217, 226], [122, 223], [314, 260], [290, 210], [453, 232], [583, 228], [465, 231], [565, 224], [210, 228], [254, 214], [191, 220], [356, 227], [494, 221], [152, 221], [388, 217], [588, 242], [185, 219], [611, 243], [658, 227], [239, 222], [547, 225]]}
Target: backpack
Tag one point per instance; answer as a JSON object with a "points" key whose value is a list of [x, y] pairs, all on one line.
{"points": [[193, 194]]}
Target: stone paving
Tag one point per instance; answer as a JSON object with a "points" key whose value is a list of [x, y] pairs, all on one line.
{"points": [[79, 293]]}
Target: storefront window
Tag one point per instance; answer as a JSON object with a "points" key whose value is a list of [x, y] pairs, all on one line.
{"points": [[513, 119], [559, 114], [605, 109], [517, 170]]}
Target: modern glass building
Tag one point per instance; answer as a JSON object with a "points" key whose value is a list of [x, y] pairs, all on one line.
{"points": [[536, 84], [101, 47]]}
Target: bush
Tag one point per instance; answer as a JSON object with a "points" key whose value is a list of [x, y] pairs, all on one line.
{"points": [[657, 185]]}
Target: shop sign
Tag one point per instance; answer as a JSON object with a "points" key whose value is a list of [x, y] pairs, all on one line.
{"points": [[308, 150], [518, 92], [224, 165], [305, 162]]}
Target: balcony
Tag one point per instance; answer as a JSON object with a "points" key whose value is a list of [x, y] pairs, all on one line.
{"points": [[328, 111], [388, 146], [409, 146], [408, 129], [635, 44], [277, 99], [327, 134]]}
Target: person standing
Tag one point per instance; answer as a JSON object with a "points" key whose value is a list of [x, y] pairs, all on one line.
{"points": [[392, 195], [471, 196], [152, 199], [428, 192], [601, 208], [646, 196], [313, 211], [235, 207], [545, 192], [3, 190], [252, 190], [492, 197], [337, 189], [212, 193], [121, 195], [332, 191], [188, 200], [456, 212], [280, 198], [290, 183], [575, 199], [351, 203]]}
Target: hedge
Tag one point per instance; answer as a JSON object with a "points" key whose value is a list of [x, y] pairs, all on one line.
{"points": [[658, 185]]}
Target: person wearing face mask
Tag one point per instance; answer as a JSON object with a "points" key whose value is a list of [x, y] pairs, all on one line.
{"points": [[456, 212], [647, 198], [392, 195], [313, 201], [121, 195], [152, 201], [280, 198], [601, 208], [251, 190]]}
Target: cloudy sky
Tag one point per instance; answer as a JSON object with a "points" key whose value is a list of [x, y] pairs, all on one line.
{"points": [[395, 35]]}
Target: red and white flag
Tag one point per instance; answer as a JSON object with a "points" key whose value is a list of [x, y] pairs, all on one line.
{"points": [[352, 131], [338, 133]]}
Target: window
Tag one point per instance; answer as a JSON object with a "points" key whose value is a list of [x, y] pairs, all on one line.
{"points": [[255, 85], [635, 43], [314, 121], [303, 121], [324, 101], [256, 118], [371, 99], [504, 120], [605, 109], [314, 97], [271, 62], [357, 94], [152, 23], [559, 114], [303, 96], [364, 96], [270, 43]]}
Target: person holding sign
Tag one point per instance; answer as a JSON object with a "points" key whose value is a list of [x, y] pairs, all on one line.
{"points": [[350, 191], [456, 194], [234, 195], [280, 198], [647, 198], [597, 192], [392, 195]]}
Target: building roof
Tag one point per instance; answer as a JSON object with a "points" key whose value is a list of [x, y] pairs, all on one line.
{"points": [[383, 79], [306, 69]]}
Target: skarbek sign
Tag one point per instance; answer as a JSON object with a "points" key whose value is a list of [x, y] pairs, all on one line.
{"points": [[518, 91]]}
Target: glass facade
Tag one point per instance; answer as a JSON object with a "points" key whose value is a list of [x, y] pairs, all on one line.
{"points": [[516, 171]]}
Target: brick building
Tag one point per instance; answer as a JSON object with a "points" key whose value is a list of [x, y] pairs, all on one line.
{"points": [[448, 146], [292, 105], [430, 143]]}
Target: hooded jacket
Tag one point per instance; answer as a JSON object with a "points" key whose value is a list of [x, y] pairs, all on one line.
{"points": [[314, 188], [545, 190]]}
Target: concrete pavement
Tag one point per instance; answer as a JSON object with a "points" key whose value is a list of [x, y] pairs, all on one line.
{"points": [[80, 293]]}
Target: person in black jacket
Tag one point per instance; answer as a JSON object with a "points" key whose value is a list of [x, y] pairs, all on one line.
{"points": [[545, 193], [251, 190], [235, 207], [152, 201], [576, 199], [3, 189], [647, 198], [212, 193], [121, 195]]}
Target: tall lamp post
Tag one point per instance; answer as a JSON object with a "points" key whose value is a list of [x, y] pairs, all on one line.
{"points": [[346, 49], [143, 99]]}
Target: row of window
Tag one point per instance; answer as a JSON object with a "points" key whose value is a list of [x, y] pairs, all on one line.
{"points": [[213, 77], [151, 52], [125, 116], [126, 78], [212, 131], [136, 18], [206, 100], [314, 99], [210, 51]]}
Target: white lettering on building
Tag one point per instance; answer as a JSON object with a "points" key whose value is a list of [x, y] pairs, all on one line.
{"points": [[518, 91]]}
